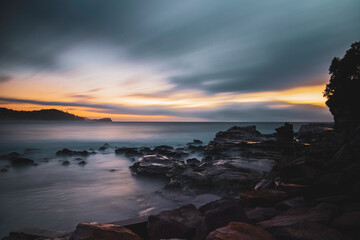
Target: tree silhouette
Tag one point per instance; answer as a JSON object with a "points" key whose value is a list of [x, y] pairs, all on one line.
{"points": [[343, 90]]}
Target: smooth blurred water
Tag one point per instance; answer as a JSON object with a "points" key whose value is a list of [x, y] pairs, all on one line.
{"points": [[54, 196]]}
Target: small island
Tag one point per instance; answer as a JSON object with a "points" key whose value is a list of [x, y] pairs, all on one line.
{"points": [[43, 115]]}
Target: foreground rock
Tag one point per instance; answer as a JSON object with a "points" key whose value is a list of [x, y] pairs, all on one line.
{"points": [[94, 231], [240, 230], [219, 214], [22, 162], [177, 223], [26, 233]]}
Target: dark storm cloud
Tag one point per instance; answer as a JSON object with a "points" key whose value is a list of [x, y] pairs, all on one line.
{"points": [[215, 46]]}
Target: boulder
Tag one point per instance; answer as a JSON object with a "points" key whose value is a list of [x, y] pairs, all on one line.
{"points": [[266, 197], [285, 133], [22, 162], [239, 231], [177, 223], [259, 214], [313, 132], [155, 165], [219, 214], [66, 163], [95, 230], [306, 230], [10, 156], [320, 214]]}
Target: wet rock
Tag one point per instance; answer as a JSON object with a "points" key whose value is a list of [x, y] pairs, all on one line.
{"points": [[66, 163], [3, 170], [128, 152], [219, 214], [95, 230], [306, 230], [296, 202], [163, 147], [320, 214], [195, 142], [264, 184], [154, 165], [348, 223], [177, 223], [68, 153], [10, 156], [259, 214], [314, 132], [240, 230], [22, 162], [189, 180], [82, 163], [267, 197], [79, 159], [193, 161], [26, 233]]}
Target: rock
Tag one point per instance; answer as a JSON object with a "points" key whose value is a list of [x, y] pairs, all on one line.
{"points": [[219, 214], [68, 153], [79, 159], [306, 230], [193, 161], [128, 152], [66, 163], [264, 184], [259, 214], [320, 214], [195, 142], [348, 223], [82, 163], [154, 165], [314, 132], [22, 162], [95, 230], [137, 225], [285, 133], [296, 202], [239, 231], [266, 197], [177, 223], [26, 233], [3, 170], [10, 156], [163, 147]]}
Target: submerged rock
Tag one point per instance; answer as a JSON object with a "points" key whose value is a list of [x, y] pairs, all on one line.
{"points": [[68, 153], [19, 162], [10, 156]]}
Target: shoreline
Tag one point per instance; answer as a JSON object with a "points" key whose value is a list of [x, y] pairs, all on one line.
{"points": [[235, 141]]}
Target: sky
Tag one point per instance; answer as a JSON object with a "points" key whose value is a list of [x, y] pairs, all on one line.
{"points": [[169, 60]]}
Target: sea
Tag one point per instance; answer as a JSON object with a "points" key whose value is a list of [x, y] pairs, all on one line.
{"points": [[53, 196]]}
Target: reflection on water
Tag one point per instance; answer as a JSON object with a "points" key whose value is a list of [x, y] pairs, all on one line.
{"points": [[54, 196]]}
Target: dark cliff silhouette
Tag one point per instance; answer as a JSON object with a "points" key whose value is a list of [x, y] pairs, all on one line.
{"points": [[342, 91], [44, 114]]}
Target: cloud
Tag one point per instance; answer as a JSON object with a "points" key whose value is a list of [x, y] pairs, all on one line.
{"points": [[4, 78]]}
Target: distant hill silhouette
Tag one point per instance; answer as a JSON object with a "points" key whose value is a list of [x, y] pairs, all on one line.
{"points": [[44, 114]]}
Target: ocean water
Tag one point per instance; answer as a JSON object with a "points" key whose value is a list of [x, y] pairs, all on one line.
{"points": [[58, 197]]}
